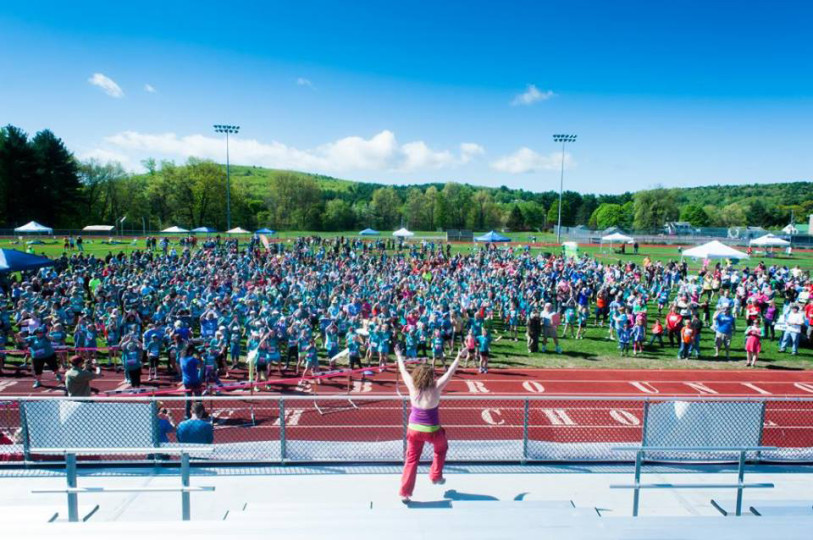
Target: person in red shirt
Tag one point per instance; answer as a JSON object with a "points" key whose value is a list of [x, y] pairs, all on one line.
{"points": [[657, 333], [752, 311], [674, 322]]}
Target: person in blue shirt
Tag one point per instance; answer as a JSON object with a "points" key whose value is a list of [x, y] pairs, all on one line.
{"points": [[131, 356], [153, 343], [191, 376], [724, 324], [42, 354], [354, 341], [484, 349], [196, 430], [437, 349]]}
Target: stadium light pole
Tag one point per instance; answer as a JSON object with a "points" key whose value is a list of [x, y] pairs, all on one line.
{"points": [[221, 128], [564, 139]]}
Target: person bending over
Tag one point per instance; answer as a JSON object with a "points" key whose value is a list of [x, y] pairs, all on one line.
{"points": [[424, 421]]}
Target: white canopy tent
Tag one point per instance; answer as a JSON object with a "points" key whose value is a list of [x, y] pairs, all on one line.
{"points": [[769, 240], [237, 230], [714, 250], [175, 230], [403, 233], [98, 228], [616, 238], [34, 227]]}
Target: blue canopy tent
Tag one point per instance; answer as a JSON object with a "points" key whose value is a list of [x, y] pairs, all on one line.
{"points": [[265, 231], [12, 260], [368, 232], [492, 236], [206, 230]]}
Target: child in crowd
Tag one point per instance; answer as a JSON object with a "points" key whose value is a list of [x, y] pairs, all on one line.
{"points": [[638, 336], [686, 340], [657, 333], [753, 343], [584, 315], [471, 346]]}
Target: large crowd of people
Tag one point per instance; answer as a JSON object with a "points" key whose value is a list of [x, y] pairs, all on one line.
{"points": [[198, 312]]}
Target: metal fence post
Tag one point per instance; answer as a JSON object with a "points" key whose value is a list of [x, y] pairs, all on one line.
{"points": [[740, 475], [73, 497], [405, 423], [637, 491], [186, 503], [24, 426], [154, 424], [282, 443], [525, 415]]}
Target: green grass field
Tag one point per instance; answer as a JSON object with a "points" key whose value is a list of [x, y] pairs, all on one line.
{"points": [[595, 351]]}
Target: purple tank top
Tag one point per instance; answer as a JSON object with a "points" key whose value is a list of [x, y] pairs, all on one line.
{"points": [[424, 417]]}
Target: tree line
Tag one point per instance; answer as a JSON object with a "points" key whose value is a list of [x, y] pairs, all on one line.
{"points": [[40, 179]]}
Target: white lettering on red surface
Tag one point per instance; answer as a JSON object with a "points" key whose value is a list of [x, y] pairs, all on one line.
{"points": [[558, 417], [756, 388], [644, 387], [292, 417], [533, 387], [362, 387], [807, 387], [624, 417], [489, 414], [700, 387], [477, 387]]}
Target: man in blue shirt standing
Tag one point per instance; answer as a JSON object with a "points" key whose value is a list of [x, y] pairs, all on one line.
{"points": [[724, 328], [191, 367], [196, 430]]}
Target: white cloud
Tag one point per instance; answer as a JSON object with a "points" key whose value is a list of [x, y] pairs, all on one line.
{"points": [[107, 156], [150, 88], [531, 95], [302, 81], [381, 152], [525, 160], [469, 150], [107, 84]]}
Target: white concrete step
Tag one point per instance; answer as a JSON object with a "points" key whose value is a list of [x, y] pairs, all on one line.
{"points": [[780, 508], [31, 514]]}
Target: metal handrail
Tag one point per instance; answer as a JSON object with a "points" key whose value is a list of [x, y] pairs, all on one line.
{"points": [[72, 491], [639, 458]]}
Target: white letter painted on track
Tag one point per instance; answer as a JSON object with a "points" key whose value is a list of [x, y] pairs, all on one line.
{"points": [[700, 387], [807, 387], [533, 387], [624, 417], [477, 387], [292, 417], [756, 388], [488, 417], [362, 387], [558, 417], [645, 387]]}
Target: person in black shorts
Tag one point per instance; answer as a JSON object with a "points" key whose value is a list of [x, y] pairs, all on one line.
{"points": [[42, 354]]}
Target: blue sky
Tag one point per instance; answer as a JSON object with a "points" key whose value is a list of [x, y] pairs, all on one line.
{"points": [[674, 94]]}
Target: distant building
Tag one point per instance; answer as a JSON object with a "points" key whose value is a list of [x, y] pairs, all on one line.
{"points": [[679, 228], [809, 223]]}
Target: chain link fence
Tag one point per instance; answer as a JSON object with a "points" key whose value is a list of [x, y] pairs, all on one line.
{"points": [[298, 429]]}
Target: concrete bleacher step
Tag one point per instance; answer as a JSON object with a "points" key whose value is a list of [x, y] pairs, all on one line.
{"points": [[30, 514], [789, 508], [728, 507], [564, 505]]}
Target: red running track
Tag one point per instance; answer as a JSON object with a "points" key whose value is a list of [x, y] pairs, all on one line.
{"points": [[562, 419]]}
